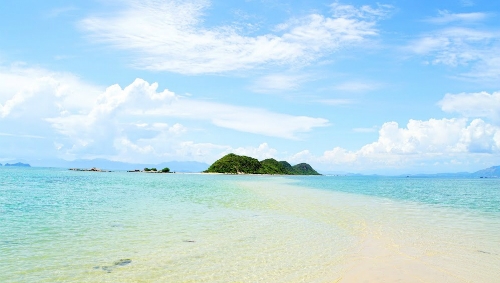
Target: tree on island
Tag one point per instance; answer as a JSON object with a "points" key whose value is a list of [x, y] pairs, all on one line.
{"points": [[164, 170], [236, 164]]}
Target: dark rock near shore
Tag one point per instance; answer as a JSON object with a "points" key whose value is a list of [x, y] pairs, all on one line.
{"points": [[110, 268], [123, 262]]}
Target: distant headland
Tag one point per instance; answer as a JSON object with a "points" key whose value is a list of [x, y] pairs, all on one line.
{"points": [[240, 164], [18, 164]]}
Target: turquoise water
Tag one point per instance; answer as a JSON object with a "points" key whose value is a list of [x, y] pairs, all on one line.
{"points": [[63, 226], [463, 193]]}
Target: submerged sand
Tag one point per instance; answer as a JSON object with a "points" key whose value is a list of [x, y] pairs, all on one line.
{"points": [[396, 241], [252, 229]]}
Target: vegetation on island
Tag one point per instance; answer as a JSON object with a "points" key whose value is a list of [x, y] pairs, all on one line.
{"points": [[239, 164], [154, 170]]}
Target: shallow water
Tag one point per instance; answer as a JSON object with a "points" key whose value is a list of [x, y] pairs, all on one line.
{"points": [[65, 226]]}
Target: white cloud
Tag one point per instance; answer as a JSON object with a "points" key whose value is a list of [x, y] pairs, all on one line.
{"points": [[446, 17], [263, 151], [419, 143], [278, 82], [131, 119], [481, 104], [473, 47], [28, 92], [161, 149], [302, 156], [364, 12], [428, 44], [244, 119], [170, 36], [457, 46], [422, 137], [140, 122], [338, 156]]}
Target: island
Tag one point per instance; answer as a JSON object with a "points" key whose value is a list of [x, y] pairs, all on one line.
{"points": [[152, 170], [240, 164], [93, 169], [18, 164]]}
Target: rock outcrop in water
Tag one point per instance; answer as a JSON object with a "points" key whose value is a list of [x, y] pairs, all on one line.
{"points": [[110, 268], [239, 164], [93, 169]]}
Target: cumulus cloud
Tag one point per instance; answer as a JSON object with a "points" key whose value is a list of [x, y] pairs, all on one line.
{"points": [[480, 104], [170, 36], [28, 91], [420, 142], [139, 121], [132, 119]]}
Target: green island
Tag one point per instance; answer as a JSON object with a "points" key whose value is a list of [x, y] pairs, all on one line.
{"points": [[240, 164]]}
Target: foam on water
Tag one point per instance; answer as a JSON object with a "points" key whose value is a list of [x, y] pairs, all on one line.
{"points": [[64, 226]]}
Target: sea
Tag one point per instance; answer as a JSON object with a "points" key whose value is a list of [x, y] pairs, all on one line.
{"points": [[58, 225]]}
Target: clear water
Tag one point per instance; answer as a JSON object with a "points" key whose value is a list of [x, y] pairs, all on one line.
{"points": [[64, 226], [463, 193]]}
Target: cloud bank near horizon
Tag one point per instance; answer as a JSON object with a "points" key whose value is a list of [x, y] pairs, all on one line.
{"points": [[131, 120], [141, 122]]}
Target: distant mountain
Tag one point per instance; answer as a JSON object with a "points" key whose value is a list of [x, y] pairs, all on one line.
{"points": [[175, 166], [239, 164], [18, 164], [492, 172]]}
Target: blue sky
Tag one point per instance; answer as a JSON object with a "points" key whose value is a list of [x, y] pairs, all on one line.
{"points": [[358, 86]]}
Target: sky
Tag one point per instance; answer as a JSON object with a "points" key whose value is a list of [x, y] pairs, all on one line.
{"points": [[390, 87]]}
